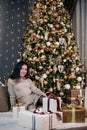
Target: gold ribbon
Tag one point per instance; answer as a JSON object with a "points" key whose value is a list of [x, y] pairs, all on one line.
{"points": [[73, 115]]}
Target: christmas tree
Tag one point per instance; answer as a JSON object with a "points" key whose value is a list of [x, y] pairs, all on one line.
{"points": [[49, 47]]}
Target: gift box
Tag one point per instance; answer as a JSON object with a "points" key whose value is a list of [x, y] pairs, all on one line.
{"points": [[51, 103], [16, 109], [85, 102], [76, 115], [85, 112], [75, 96], [35, 121], [4, 99]]}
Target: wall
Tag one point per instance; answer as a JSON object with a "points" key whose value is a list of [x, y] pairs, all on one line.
{"points": [[14, 16]]}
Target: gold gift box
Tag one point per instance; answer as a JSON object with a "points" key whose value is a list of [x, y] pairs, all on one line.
{"points": [[85, 112], [76, 115], [74, 95], [75, 92]]}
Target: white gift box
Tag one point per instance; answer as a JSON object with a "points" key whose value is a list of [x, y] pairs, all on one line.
{"points": [[16, 110], [35, 121], [52, 104]]}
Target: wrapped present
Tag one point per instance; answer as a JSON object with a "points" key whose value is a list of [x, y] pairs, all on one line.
{"points": [[76, 96], [85, 112], [35, 121], [4, 99], [52, 103], [72, 113], [16, 109]]}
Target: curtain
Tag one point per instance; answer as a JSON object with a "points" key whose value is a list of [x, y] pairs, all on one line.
{"points": [[79, 24]]}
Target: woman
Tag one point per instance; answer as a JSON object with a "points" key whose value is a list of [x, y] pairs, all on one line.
{"points": [[21, 88]]}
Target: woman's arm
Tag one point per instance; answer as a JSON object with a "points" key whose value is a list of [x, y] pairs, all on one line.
{"points": [[35, 89], [11, 92]]}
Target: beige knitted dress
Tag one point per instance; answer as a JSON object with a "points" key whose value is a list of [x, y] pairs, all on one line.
{"points": [[24, 91]]}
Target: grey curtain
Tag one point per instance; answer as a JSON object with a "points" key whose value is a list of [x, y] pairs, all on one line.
{"points": [[79, 22]]}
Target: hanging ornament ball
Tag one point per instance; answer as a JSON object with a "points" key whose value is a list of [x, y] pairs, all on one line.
{"points": [[37, 45], [47, 72], [50, 70], [67, 86], [43, 46], [30, 59], [45, 82], [36, 50], [57, 26], [61, 94], [40, 67], [55, 14], [51, 90], [57, 79], [34, 72], [50, 39], [41, 37], [72, 69], [79, 79], [77, 69], [52, 63]]}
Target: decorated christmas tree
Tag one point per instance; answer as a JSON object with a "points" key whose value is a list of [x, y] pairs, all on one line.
{"points": [[49, 47]]}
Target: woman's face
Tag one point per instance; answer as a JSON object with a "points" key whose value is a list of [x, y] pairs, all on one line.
{"points": [[23, 71]]}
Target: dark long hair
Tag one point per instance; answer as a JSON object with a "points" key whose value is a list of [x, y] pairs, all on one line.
{"points": [[16, 71]]}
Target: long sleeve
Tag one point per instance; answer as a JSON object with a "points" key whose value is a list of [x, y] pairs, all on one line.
{"points": [[11, 92], [35, 89]]}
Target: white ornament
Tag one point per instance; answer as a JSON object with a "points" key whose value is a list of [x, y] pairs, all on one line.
{"points": [[43, 56], [50, 25], [57, 43], [67, 86], [64, 60], [37, 77], [60, 68], [46, 36], [58, 85], [73, 73], [79, 79], [77, 69], [44, 76], [34, 58], [48, 43], [55, 68]]}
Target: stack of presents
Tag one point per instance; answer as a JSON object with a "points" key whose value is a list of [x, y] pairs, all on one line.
{"points": [[53, 111]]}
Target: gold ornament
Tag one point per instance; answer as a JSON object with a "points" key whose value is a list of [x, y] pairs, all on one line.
{"points": [[50, 70], [40, 67], [30, 59], [57, 26], [45, 82], [57, 79], [47, 72], [61, 93], [50, 39], [51, 90]]}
